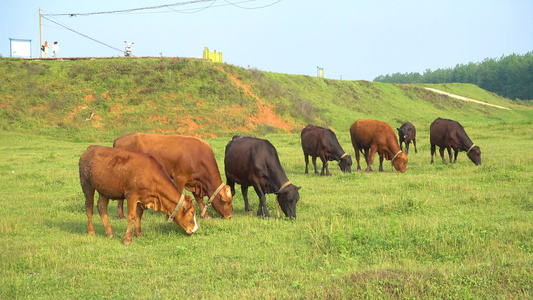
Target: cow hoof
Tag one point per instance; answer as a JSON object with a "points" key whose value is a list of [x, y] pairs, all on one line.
{"points": [[127, 242]]}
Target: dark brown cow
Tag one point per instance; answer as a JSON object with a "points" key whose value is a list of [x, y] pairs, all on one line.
{"points": [[323, 143], [254, 162], [450, 134], [190, 162], [407, 134], [140, 179], [375, 136]]}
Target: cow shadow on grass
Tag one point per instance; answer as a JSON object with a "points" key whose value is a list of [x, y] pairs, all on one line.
{"points": [[73, 220]]}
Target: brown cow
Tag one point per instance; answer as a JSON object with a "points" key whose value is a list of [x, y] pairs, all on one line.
{"points": [[375, 136], [140, 179], [190, 162], [451, 134]]}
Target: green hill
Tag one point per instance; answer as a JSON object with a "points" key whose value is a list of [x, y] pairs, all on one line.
{"points": [[100, 99]]}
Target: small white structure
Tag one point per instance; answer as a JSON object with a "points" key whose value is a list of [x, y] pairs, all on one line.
{"points": [[20, 48]]}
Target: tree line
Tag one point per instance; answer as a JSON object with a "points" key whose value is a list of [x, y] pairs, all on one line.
{"points": [[508, 76]]}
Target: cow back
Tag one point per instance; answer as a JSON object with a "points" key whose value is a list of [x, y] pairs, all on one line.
{"points": [[445, 132], [366, 133], [185, 158], [114, 172], [248, 160]]}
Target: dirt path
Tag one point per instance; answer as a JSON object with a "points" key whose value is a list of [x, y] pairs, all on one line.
{"points": [[465, 99]]}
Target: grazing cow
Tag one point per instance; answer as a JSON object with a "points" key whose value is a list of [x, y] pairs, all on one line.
{"points": [[406, 134], [450, 134], [375, 136], [323, 143], [254, 162], [190, 162], [140, 179]]}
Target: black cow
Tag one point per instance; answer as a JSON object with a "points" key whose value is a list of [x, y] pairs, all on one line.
{"points": [[406, 134], [323, 143], [254, 162], [450, 134]]}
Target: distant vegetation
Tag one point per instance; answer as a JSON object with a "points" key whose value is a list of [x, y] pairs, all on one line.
{"points": [[509, 76]]}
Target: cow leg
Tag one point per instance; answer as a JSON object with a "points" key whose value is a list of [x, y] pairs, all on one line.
{"points": [[380, 162], [139, 211], [414, 143], [401, 145], [244, 190], [406, 147], [369, 157], [132, 212], [262, 203], [441, 151], [306, 157], [200, 202], [455, 155], [120, 209], [102, 204], [324, 166], [357, 157], [89, 206], [432, 152], [313, 158], [449, 149]]}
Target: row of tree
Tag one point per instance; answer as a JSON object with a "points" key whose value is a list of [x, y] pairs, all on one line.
{"points": [[509, 76]]}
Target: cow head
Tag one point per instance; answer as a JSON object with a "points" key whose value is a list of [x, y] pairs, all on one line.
{"points": [[400, 162], [287, 199], [222, 202], [185, 217], [475, 155], [345, 164], [402, 133]]}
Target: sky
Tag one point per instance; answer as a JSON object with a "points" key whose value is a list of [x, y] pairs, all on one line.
{"points": [[349, 39]]}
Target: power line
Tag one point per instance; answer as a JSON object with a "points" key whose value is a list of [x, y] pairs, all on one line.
{"points": [[86, 36], [131, 9], [169, 6], [196, 11], [258, 7]]}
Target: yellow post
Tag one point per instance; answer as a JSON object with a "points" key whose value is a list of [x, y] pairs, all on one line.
{"points": [[213, 56]]}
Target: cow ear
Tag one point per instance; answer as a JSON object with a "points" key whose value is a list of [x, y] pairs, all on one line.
{"points": [[298, 187]]}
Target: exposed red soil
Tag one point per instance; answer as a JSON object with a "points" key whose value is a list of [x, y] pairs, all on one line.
{"points": [[266, 114]]}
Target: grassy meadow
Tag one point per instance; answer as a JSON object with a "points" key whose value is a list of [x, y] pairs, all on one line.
{"points": [[436, 231]]}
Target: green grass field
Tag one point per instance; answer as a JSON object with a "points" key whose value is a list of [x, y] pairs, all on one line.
{"points": [[437, 231]]}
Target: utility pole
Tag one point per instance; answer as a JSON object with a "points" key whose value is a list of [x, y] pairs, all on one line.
{"points": [[41, 30]]}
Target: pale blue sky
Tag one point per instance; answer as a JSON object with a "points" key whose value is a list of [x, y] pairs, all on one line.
{"points": [[353, 39]]}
